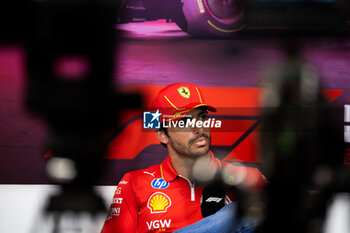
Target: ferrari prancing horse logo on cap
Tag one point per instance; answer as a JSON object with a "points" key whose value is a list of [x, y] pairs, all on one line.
{"points": [[184, 92]]}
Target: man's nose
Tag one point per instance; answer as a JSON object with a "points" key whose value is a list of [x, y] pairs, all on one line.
{"points": [[198, 130]]}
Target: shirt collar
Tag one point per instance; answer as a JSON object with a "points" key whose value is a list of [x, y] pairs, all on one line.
{"points": [[169, 174]]}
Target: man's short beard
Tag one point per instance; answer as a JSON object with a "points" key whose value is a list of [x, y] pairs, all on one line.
{"points": [[181, 149]]}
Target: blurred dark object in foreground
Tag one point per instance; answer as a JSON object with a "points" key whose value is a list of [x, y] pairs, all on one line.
{"points": [[301, 147], [14, 16], [70, 61]]}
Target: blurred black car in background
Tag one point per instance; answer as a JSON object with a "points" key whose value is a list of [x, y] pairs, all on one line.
{"points": [[222, 18]]}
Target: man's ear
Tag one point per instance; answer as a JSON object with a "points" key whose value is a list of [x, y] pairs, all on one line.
{"points": [[162, 137]]}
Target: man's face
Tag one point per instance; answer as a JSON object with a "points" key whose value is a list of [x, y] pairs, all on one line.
{"points": [[192, 141]]}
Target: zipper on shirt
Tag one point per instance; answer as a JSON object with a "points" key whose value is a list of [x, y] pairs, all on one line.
{"points": [[193, 197]]}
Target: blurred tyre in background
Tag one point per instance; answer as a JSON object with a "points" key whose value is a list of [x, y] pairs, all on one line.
{"points": [[212, 18]]}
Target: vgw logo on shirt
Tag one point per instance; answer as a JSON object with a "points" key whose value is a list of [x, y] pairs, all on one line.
{"points": [[159, 224], [151, 120], [160, 183]]}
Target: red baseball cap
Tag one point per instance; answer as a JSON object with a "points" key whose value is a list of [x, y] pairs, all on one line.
{"points": [[176, 100]]}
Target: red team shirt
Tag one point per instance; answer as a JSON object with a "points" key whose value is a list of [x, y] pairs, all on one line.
{"points": [[159, 199]]}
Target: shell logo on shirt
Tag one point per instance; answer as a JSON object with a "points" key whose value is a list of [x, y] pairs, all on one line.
{"points": [[158, 203]]}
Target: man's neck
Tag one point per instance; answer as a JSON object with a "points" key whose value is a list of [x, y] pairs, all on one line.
{"points": [[183, 165]]}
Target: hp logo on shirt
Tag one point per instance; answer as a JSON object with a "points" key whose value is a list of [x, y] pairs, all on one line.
{"points": [[151, 120], [159, 183]]}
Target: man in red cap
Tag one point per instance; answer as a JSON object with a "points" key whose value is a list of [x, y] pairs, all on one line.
{"points": [[166, 197]]}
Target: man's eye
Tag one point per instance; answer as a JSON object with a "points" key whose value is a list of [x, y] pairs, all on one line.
{"points": [[203, 117]]}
